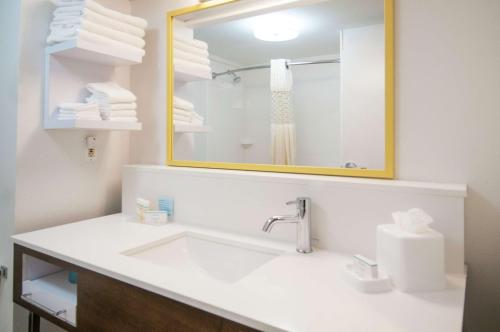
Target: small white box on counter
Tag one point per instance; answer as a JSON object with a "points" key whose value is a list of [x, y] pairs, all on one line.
{"points": [[414, 261]]}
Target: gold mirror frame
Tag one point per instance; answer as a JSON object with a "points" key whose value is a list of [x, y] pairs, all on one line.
{"points": [[386, 173]]}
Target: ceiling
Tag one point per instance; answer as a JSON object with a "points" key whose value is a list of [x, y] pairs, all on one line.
{"points": [[319, 26]]}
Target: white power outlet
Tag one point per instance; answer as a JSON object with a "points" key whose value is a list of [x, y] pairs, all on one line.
{"points": [[91, 148]]}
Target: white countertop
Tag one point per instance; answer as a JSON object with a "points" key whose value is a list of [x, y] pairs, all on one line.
{"points": [[293, 292]]}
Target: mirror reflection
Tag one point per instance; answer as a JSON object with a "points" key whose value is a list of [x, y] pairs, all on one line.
{"points": [[293, 86]]}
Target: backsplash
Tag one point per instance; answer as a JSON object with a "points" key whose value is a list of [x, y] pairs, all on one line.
{"points": [[345, 211]]}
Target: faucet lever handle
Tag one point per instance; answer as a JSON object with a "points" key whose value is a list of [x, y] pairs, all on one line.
{"points": [[296, 202]]}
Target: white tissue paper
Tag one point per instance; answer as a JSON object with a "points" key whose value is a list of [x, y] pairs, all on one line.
{"points": [[413, 221]]}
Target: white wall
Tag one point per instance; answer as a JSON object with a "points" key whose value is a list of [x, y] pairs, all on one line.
{"points": [[54, 182], [363, 96], [447, 123], [149, 82], [9, 71]]}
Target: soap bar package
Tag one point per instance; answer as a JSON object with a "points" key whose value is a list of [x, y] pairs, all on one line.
{"points": [[414, 261]]}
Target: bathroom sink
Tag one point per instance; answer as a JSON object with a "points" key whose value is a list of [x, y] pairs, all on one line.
{"points": [[221, 259]]}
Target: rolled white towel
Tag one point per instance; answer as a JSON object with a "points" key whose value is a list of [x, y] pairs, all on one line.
{"points": [[71, 29], [87, 14], [64, 5], [97, 39], [190, 49], [183, 104], [192, 42], [182, 55], [110, 92]]}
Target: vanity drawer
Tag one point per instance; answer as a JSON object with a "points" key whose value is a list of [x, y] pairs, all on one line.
{"points": [[106, 304]]}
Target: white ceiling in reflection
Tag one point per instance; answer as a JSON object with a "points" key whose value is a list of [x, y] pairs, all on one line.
{"points": [[319, 26]]}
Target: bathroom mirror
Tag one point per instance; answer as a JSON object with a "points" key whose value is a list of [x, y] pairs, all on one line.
{"points": [[296, 86]]}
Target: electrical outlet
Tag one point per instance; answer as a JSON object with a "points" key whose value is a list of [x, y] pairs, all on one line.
{"points": [[91, 148]]}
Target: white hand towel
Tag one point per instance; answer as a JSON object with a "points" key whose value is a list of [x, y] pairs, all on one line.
{"points": [[98, 8], [95, 38], [71, 29], [79, 107], [192, 68], [192, 42], [190, 49], [183, 104], [111, 92], [181, 55], [87, 14]]}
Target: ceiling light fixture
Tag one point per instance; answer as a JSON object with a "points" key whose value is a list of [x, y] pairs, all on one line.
{"points": [[275, 29]]}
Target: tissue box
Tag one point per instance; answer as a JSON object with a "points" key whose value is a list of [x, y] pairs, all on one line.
{"points": [[414, 262]]}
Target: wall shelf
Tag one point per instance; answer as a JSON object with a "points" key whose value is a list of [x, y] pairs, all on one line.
{"points": [[65, 82], [91, 52], [192, 129], [89, 124]]}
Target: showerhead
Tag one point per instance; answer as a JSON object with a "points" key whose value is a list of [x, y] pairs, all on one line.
{"points": [[236, 78]]}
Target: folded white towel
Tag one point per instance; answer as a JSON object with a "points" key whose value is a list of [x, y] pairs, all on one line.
{"points": [[78, 107], [182, 55], [183, 104], [79, 116], [87, 14], [178, 111], [181, 123], [95, 38], [71, 29], [65, 5], [192, 68], [192, 42], [122, 114], [122, 119], [183, 118], [110, 92], [190, 49]]}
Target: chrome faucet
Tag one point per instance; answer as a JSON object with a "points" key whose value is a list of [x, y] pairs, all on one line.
{"points": [[303, 221]]}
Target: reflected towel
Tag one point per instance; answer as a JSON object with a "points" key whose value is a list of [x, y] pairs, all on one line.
{"points": [[178, 111], [121, 119], [192, 68], [183, 118], [97, 39], [181, 123], [72, 5], [87, 14], [183, 104], [71, 29], [123, 114], [190, 49], [192, 42], [182, 55]]}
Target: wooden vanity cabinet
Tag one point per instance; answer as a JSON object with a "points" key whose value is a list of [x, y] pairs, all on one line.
{"points": [[105, 304]]}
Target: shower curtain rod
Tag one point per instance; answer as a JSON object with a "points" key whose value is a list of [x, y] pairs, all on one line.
{"points": [[298, 63]]}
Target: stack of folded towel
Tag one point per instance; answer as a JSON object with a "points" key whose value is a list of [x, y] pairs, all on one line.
{"points": [[191, 57], [78, 111], [114, 102], [92, 22], [184, 113]]}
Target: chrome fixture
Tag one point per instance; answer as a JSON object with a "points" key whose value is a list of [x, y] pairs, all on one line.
{"points": [[289, 64], [303, 221]]}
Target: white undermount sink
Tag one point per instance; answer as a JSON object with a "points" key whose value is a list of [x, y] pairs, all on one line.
{"points": [[221, 259]]}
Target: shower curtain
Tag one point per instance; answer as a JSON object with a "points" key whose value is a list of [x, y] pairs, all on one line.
{"points": [[282, 119]]}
